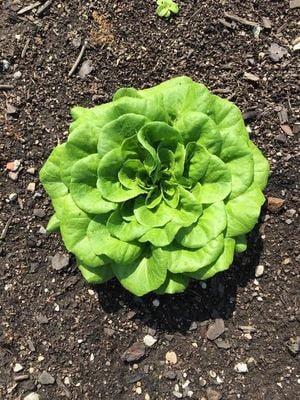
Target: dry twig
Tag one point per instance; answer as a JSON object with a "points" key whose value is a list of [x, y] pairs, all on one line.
{"points": [[75, 65]]}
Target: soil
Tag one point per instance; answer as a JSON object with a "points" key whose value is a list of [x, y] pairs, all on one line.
{"points": [[51, 320]]}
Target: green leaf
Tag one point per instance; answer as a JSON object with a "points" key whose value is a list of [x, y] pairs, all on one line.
{"points": [[53, 224], [113, 134], [216, 182], [240, 243], [198, 127], [126, 92], [197, 162], [261, 167], [144, 275], [83, 187], [97, 275], [161, 237], [50, 174], [74, 225], [174, 283], [83, 138], [221, 264], [108, 178], [132, 174], [227, 117], [151, 217], [243, 211], [181, 260], [103, 244], [124, 230], [211, 223], [181, 95]]}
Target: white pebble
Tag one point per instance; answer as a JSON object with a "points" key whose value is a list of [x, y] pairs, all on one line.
{"points": [[259, 271], [18, 368], [156, 302], [149, 340], [241, 368]]}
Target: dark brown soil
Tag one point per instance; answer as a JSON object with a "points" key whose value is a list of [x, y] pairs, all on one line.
{"points": [[52, 321]]}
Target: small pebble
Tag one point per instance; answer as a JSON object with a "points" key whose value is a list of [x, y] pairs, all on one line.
{"points": [[213, 394], [18, 368], [139, 390], [13, 165], [17, 75], [241, 368], [171, 357], [12, 197], [39, 212], [32, 396], [31, 187], [171, 375], [13, 176], [178, 395], [202, 381], [149, 340], [259, 271], [212, 374], [45, 378], [60, 261], [156, 303], [31, 170], [134, 352], [5, 65]]}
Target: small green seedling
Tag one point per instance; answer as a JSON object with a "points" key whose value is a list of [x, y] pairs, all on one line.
{"points": [[166, 8]]}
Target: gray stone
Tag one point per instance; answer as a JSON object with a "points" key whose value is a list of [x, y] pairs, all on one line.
{"points": [[45, 378], [216, 329], [60, 261]]}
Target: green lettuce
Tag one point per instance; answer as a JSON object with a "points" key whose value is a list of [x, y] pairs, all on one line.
{"points": [[166, 7], [158, 187]]}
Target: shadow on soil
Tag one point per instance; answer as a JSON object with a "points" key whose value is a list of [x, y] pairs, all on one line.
{"points": [[176, 312]]}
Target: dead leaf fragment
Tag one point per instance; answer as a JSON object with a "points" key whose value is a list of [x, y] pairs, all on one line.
{"points": [[287, 129]]}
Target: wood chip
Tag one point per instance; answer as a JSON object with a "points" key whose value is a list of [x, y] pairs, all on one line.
{"points": [[5, 229], [25, 48], [30, 7], [225, 23], [44, 7], [243, 21], [251, 77], [6, 87], [283, 115], [287, 129]]}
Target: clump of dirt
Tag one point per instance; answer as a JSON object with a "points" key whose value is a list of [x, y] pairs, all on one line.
{"points": [[102, 33]]}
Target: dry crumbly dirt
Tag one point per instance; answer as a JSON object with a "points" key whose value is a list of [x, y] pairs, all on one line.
{"points": [[52, 321]]}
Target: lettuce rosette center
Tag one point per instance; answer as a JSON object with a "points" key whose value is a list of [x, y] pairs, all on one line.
{"points": [[156, 188]]}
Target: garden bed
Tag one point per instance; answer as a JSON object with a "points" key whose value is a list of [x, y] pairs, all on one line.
{"points": [[50, 320]]}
